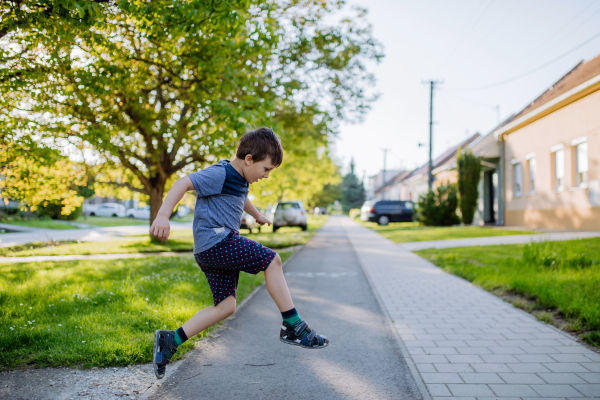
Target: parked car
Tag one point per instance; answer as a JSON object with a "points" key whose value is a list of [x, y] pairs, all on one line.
{"points": [[109, 210], [248, 222], [141, 213], [365, 210], [289, 213], [385, 211]]}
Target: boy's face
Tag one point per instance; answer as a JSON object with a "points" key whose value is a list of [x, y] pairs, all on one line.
{"points": [[257, 170]]}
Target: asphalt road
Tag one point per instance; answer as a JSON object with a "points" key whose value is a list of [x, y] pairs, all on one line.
{"points": [[332, 294]]}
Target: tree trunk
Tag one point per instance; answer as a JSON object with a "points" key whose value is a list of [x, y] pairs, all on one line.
{"points": [[156, 199]]}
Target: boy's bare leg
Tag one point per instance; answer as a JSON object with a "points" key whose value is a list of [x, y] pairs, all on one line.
{"points": [[277, 286], [209, 316]]}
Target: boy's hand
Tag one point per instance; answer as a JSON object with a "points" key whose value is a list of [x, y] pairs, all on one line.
{"points": [[160, 228], [261, 220]]}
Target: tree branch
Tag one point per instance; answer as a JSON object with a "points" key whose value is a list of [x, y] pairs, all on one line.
{"points": [[126, 185]]}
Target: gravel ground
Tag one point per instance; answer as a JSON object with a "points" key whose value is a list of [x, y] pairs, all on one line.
{"points": [[67, 383]]}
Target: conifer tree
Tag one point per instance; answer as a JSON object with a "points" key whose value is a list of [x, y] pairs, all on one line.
{"points": [[469, 169], [353, 191]]}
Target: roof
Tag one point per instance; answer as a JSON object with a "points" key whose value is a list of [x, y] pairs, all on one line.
{"points": [[440, 160], [581, 73]]}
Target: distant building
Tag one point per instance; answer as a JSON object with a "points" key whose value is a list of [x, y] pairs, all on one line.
{"points": [[410, 185], [375, 182], [549, 155]]}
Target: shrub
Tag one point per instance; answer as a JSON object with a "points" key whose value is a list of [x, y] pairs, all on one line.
{"points": [[355, 212], [53, 210], [469, 170], [438, 208]]}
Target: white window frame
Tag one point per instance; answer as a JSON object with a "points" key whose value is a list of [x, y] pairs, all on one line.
{"points": [[517, 177], [531, 172], [555, 150], [581, 167]]}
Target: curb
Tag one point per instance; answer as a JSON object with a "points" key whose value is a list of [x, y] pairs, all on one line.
{"points": [[170, 371], [409, 361]]}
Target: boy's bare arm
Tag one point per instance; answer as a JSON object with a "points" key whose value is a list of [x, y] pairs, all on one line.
{"points": [[160, 227], [250, 209]]}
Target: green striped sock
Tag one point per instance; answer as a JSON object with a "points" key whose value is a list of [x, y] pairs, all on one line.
{"points": [[178, 339], [292, 317]]}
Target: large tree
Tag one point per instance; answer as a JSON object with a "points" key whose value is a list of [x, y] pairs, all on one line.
{"points": [[161, 87]]}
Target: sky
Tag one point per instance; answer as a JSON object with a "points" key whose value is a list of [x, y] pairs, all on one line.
{"points": [[470, 46]]}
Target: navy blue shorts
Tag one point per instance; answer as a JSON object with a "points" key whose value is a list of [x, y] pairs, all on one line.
{"points": [[223, 262]]}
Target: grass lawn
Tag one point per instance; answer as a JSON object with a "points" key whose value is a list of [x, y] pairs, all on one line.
{"points": [[402, 232], [44, 224], [99, 313], [178, 241], [557, 281], [110, 221]]}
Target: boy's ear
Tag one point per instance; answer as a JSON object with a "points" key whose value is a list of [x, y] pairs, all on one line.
{"points": [[248, 159]]}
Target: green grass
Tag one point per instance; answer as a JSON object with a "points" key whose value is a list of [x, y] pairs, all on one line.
{"points": [[99, 313], [562, 276], [178, 241], [188, 218], [110, 221], [403, 232], [44, 224]]}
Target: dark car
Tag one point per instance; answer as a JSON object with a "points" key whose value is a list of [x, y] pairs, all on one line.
{"points": [[385, 211]]}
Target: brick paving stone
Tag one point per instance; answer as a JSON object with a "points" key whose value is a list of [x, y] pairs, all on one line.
{"points": [[441, 377], [590, 377], [513, 390], [440, 350], [491, 368], [566, 367], [470, 390], [467, 343], [426, 368], [522, 378], [591, 389], [480, 377], [572, 349], [557, 390], [561, 378], [582, 358], [438, 389], [453, 368]]}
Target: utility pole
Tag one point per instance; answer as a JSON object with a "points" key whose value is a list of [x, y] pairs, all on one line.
{"points": [[384, 170], [432, 86]]}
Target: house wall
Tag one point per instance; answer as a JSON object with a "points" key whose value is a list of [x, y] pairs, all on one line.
{"points": [[572, 207]]}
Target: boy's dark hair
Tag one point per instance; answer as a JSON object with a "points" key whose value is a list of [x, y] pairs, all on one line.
{"points": [[260, 144]]}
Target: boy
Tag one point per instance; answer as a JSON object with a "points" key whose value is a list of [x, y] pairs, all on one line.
{"points": [[221, 252]]}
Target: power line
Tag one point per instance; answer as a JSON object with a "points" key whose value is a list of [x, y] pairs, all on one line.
{"points": [[467, 31], [514, 78], [548, 39]]}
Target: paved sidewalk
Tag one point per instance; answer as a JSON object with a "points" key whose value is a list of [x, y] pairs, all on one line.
{"points": [[98, 234], [494, 240], [466, 343], [247, 361]]}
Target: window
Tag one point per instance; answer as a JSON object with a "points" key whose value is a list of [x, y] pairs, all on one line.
{"points": [[518, 179], [581, 164], [531, 174], [559, 170]]}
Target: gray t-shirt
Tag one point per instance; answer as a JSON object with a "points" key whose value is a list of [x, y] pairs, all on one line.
{"points": [[222, 193]]}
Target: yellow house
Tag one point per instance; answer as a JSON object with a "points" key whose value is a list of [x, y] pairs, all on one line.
{"points": [[550, 156]]}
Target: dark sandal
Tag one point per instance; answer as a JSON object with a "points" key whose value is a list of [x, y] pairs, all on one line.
{"points": [[293, 335], [163, 341]]}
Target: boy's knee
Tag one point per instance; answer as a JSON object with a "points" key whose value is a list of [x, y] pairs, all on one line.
{"points": [[276, 262], [227, 306]]}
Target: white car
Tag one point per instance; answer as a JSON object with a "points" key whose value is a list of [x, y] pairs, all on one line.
{"points": [[109, 210], [289, 213], [365, 210], [141, 213]]}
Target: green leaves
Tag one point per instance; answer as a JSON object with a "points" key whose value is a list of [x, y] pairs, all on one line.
{"points": [[164, 87]]}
